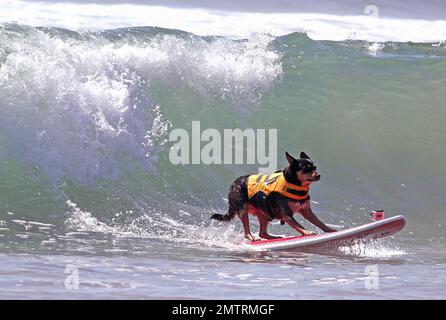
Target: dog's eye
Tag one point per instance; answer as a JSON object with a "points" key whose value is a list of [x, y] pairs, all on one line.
{"points": [[308, 169]]}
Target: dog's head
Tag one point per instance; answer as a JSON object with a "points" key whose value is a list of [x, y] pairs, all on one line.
{"points": [[301, 171]]}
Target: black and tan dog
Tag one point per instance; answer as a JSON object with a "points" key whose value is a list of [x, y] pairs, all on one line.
{"points": [[275, 196]]}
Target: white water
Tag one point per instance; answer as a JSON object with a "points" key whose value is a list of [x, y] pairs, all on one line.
{"points": [[82, 103], [68, 107], [369, 26]]}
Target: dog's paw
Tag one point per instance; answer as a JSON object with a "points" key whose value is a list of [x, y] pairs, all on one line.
{"points": [[308, 233], [250, 237], [269, 237]]}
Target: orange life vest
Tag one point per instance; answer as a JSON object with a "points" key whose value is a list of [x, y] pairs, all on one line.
{"points": [[276, 183]]}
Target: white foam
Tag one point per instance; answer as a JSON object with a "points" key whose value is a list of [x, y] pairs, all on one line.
{"points": [[374, 49], [73, 106], [161, 227], [83, 221], [377, 249], [225, 23]]}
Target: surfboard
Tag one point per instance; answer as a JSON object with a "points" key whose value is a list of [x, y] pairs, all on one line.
{"points": [[372, 230]]}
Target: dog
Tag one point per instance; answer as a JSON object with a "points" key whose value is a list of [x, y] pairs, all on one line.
{"points": [[275, 196]]}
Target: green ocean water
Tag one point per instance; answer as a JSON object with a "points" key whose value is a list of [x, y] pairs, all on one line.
{"points": [[85, 121]]}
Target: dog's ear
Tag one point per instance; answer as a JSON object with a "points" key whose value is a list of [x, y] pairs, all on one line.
{"points": [[303, 155], [290, 158]]}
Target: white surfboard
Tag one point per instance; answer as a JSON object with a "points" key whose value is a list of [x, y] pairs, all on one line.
{"points": [[373, 230]]}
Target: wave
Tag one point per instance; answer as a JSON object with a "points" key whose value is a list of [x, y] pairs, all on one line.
{"points": [[399, 22], [86, 118]]}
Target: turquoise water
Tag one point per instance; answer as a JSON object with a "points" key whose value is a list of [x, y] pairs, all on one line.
{"points": [[86, 178]]}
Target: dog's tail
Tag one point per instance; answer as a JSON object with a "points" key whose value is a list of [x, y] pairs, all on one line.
{"points": [[224, 217]]}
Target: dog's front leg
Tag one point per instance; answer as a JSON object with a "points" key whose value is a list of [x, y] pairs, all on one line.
{"points": [[297, 226], [308, 214], [287, 216]]}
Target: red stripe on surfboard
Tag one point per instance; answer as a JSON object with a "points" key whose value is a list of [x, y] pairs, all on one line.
{"points": [[283, 239]]}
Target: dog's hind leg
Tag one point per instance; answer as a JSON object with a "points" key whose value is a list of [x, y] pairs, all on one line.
{"points": [[263, 233], [244, 217]]}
